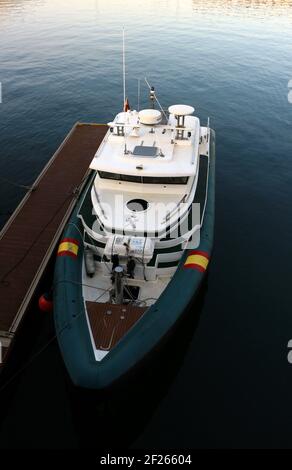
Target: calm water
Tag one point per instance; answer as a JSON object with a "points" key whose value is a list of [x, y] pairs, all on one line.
{"points": [[224, 380]]}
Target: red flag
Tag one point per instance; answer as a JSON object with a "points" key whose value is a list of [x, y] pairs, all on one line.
{"points": [[126, 105]]}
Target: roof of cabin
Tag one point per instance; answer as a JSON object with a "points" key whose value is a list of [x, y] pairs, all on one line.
{"points": [[154, 150]]}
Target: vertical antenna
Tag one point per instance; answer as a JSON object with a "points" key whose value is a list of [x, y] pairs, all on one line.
{"points": [[124, 68], [138, 94]]}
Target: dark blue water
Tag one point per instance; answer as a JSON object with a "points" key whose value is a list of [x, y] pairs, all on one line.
{"points": [[224, 381]]}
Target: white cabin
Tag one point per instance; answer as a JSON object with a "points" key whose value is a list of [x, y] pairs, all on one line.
{"points": [[142, 162]]}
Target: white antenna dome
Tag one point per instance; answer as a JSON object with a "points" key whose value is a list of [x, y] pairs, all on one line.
{"points": [[150, 117], [181, 110]]}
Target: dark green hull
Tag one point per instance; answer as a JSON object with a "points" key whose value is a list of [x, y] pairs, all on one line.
{"points": [[70, 318]]}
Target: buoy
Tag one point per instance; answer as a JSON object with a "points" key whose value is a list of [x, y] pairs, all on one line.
{"points": [[46, 302]]}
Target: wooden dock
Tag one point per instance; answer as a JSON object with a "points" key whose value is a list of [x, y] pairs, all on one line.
{"points": [[30, 236]]}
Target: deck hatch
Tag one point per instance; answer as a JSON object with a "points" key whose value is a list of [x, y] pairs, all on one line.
{"points": [[145, 151]]}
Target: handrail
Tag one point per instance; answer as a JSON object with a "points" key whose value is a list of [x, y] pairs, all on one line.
{"points": [[174, 210], [139, 126]]}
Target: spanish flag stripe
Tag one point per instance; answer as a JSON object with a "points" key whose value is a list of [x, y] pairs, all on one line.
{"points": [[195, 266], [68, 247], [202, 253], [197, 260], [67, 253], [70, 240]]}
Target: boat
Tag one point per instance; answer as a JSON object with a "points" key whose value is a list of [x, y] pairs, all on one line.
{"points": [[138, 244]]}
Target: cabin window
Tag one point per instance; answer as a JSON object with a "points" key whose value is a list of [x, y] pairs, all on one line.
{"points": [[144, 179]]}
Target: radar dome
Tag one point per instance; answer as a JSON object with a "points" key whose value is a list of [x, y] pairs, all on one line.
{"points": [[181, 110], [150, 117]]}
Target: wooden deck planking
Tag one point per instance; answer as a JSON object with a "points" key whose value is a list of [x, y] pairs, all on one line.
{"points": [[108, 329], [31, 234]]}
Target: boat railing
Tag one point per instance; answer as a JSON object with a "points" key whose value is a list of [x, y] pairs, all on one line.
{"points": [[174, 210], [167, 127]]}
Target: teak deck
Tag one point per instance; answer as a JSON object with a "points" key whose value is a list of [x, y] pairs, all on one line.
{"points": [[109, 322], [30, 236]]}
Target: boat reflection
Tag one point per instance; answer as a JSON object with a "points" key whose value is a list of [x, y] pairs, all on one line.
{"points": [[117, 417]]}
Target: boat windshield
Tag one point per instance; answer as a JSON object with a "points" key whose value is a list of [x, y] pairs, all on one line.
{"points": [[144, 179]]}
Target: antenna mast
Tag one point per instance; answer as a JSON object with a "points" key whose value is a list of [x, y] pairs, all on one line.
{"points": [[139, 86], [124, 68], [154, 97]]}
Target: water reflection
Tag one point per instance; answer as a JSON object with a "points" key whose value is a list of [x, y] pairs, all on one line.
{"points": [[7, 5], [250, 7], [256, 8]]}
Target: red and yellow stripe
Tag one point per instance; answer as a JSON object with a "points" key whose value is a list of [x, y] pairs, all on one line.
{"points": [[197, 260], [68, 247]]}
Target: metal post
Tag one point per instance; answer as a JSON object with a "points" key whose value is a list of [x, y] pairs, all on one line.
{"points": [[152, 97], [119, 288]]}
